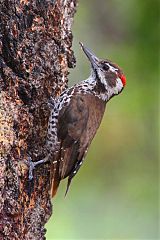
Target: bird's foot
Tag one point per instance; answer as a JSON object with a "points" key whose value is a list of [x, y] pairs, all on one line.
{"points": [[32, 165]]}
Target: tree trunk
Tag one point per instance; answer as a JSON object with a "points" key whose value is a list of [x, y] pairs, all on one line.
{"points": [[35, 53]]}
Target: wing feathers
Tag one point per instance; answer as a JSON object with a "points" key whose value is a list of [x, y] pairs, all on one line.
{"points": [[77, 125]]}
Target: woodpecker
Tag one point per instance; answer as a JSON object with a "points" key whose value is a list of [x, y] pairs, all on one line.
{"points": [[75, 117]]}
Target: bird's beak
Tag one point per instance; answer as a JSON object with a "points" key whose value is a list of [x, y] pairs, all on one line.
{"points": [[92, 58]]}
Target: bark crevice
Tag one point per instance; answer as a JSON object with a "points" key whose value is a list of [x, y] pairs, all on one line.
{"points": [[35, 53]]}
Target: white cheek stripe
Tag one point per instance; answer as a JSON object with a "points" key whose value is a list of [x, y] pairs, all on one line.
{"points": [[112, 69], [119, 85]]}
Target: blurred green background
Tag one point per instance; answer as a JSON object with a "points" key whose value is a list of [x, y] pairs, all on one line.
{"points": [[115, 193]]}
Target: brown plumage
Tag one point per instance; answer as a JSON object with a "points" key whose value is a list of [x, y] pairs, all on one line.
{"points": [[75, 117], [77, 125]]}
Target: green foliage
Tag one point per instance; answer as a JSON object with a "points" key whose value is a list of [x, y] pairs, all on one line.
{"points": [[115, 194]]}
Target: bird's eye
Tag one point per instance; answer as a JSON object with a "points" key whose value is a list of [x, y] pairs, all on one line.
{"points": [[105, 67]]}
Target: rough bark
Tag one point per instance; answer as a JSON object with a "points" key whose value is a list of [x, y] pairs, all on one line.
{"points": [[35, 53]]}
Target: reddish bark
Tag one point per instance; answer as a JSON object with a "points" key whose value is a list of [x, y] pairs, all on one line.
{"points": [[35, 53]]}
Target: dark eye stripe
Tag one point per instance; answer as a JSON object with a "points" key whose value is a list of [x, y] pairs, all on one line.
{"points": [[105, 67]]}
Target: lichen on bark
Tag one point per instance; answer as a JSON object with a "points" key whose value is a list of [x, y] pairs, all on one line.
{"points": [[35, 53]]}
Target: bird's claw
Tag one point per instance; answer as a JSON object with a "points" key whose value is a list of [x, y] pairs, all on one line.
{"points": [[31, 166]]}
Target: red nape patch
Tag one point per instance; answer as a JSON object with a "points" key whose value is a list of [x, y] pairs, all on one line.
{"points": [[123, 79]]}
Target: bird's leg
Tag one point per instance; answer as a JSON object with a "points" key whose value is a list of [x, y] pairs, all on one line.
{"points": [[32, 165]]}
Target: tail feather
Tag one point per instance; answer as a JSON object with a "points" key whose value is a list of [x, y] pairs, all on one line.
{"points": [[68, 185], [54, 177], [54, 187]]}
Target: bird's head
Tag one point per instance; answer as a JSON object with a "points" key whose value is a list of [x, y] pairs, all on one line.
{"points": [[109, 75]]}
